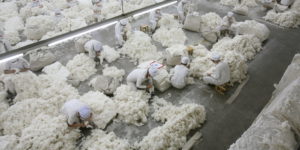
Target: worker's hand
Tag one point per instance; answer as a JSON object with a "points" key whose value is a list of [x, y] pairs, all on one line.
{"points": [[149, 86], [208, 74]]}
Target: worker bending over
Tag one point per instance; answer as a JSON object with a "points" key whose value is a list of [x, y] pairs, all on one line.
{"points": [[142, 78], [4, 44], [220, 74], [94, 48], [227, 21], [121, 30], [180, 73], [154, 16], [77, 113]]}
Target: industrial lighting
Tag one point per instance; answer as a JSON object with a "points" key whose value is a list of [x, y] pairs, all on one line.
{"points": [[10, 58], [159, 7], [82, 33]]}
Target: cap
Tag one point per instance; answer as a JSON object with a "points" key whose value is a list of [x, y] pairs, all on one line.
{"points": [[153, 71], [215, 56], [185, 60], [84, 112], [124, 22], [97, 47], [230, 14]]}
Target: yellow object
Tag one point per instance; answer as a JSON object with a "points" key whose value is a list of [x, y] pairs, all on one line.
{"points": [[190, 50], [144, 28]]}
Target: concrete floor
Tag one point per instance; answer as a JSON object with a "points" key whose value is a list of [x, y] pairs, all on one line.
{"points": [[225, 122]]}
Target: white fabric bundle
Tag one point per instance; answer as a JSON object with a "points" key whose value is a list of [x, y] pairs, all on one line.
{"points": [[109, 54], [8, 142], [136, 4], [8, 10], [101, 140], [47, 132], [58, 70], [40, 58], [289, 19], [172, 135], [252, 27], [29, 11], [19, 116], [110, 9], [37, 26], [139, 48], [81, 67], [133, 105], [103, 108], [208, 26], [174, 54], [246, 45]]}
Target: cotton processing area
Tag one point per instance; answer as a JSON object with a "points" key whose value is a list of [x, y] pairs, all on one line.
{"points": [[149, 75]]}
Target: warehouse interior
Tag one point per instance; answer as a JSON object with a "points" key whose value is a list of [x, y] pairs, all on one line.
{"points": [[256, 109]]}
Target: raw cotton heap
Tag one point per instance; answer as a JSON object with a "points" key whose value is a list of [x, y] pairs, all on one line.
{"points": [[8, 10], [199, 51], [46, 132], [8, 142], [37, 26], [250, 3], [139, 48], [101, 140], [289, 19], [81, 67], [110, 9], [19, 116], [201, 65], [168, 21], [172, 135], [12, 26], [133, 105], [104, 109], [57, 70], [136, 4], [246, 45], [109, 54], [208, 26], [252, 27], [114, 72]]}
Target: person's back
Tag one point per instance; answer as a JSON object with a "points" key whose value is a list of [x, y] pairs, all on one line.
{"points": [[136, 74], [178, 80], [71, 108]]}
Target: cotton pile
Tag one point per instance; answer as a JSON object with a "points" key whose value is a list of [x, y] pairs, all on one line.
{"points": [[252, 27], [101, 140], [37, 26], [19, 116], [12, 26], [170, 32], [8, 142], [8, 10], [110, 9], [29, 11], [81, 67], [288, 19], [139, 48], [114, 72], [104, 109], [246, 45], [172, 135], [109, 54], [136, 4], [174, 54], [200, 66], [208, 26], [133, 105], [250, 3], [47, 132], [199, 50], [57, 70]]}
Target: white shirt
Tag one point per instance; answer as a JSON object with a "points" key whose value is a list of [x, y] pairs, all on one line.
{"points": [[221, 73], [18, 63], [89, 46], [119, 29], [138, 76], [179, 77], [70, 109]]}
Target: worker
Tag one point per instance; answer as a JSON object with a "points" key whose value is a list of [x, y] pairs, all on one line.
{"points": [[94, 48], [179, 74], [4, 44], [121, 29], [183, 9], [139, 77], [77, 113], [220, 74], [97, 7], [154, 17], [225, 27]]}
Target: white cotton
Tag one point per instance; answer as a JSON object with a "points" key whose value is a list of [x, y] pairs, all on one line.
{"points": [[199, 50], [58, 70], [12, 36], [81, 67], [133, 105], [168, 21], [14, 23], [29, 11], [249, 3], [288, 19], [37, 26], [111, 9], [200, 66], [24, 43], [19, 116], [103, 108], [77, 23], [162, 80], [8, 142], [174, 54], [60, 4], [114, 72], [80, 42], [169, 36], [208, 26], [8, 10], [252, 27], [246, 45], [172, 135], [101, 140], [47, 132], [110, 54], [139, 48], [136, 4]]}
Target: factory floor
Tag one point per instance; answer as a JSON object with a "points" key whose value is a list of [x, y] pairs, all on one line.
{"points": [[225, 122]]}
